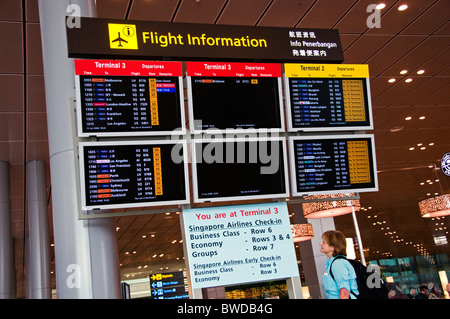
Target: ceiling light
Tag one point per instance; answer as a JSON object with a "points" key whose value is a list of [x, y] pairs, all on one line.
{"points": [[302, 232], [408, 80], [403, 7], [422, 118], [380, 6], [435, 206], [391, 80], [396, 129], [431, 144], [408, 118], [411, 148], [421, 72], [403, 71], [338, 204]]}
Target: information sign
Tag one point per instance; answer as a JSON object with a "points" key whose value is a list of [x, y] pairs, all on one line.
{"points": [[133, 174], [114, 38], [239, 244], [332, 164], [123, 98], [172, 285], [328, 97]]}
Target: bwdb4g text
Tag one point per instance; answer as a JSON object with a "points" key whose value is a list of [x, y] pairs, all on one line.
{"points": [[241, 308]]}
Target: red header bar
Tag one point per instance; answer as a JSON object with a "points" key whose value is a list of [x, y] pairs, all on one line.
{"points": [[233, 69], [127, 68]]}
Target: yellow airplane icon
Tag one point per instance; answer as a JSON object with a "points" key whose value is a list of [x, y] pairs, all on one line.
{"points": [[120, 40]]}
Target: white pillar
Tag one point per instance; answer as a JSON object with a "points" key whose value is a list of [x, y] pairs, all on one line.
{"points": [[7, 273], [77, 258], [38, 239]]}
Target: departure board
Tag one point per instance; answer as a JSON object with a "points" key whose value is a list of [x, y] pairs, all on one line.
{"points": [[239, 169], [327, 99], [122, 98], [331, 164], [133, 174], [234, 96]]}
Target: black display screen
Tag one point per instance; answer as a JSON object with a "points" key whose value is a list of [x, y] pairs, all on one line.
{"points": [[236, 102], [240, 169], [123, 104], [135, 175], [333, 164], [328, 103]]}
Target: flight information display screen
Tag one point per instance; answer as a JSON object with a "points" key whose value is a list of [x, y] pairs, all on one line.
{"points": [[129, 97], [330, 164], [133, 174], [239, 169], [336, 101], [235, 96]]}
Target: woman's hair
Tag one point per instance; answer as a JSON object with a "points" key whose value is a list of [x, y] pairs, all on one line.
{"points": [[336, 239]]}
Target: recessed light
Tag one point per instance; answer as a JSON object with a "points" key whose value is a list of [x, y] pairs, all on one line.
{"points": [[380, 6], [419, 144], [422, 148], [391, 80], [422, 118], [431, 144], [411, 148], [408, 80], [403, 71], [408, 118], [421, 72], [403, 7], [396, 129]]}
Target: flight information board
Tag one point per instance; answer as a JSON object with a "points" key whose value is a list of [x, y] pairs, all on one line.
{"points": [[133, 174], [327, 97], [234, 96], [332, 164], [239, 169], [122, 98]]}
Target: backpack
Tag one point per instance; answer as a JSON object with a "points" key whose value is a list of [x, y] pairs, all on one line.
{"points": [[370, 285]]}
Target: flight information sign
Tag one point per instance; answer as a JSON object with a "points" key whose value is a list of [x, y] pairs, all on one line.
{"points": [[332, 164], [133, 174], [123, 98], [328, 97], [234, 96]]}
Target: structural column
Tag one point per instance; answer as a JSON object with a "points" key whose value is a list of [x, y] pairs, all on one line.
{"points": [[39, 244], [75, 257], [7, 273]]}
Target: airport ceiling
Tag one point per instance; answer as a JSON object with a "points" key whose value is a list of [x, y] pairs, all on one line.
{"points": [[411, 114]]}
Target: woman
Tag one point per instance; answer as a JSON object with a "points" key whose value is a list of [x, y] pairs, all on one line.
{"points": [[344, 285]]}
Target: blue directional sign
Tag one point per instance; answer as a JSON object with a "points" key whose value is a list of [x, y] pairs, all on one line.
{"points": [[171, 285]]}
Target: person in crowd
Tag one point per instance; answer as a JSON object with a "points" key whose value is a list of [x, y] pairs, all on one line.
{"points": [[412, 293], [344, 285], [423, 292], [395, 293]]}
